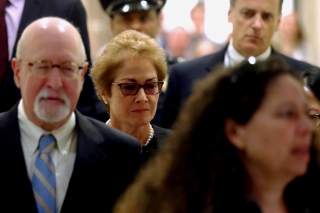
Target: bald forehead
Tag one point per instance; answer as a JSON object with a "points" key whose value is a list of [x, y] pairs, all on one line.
{"points": [[51, 29], [50, 25]]}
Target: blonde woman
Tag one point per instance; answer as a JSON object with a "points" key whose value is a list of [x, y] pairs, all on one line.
{"points": [[128, 76]]}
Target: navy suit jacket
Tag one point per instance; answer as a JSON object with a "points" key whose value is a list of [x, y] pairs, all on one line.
{"points": [[106, 162], [159, 137], [74, 12], [182, 77]]}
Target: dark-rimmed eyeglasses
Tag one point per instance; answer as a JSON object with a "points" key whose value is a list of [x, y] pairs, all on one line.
{"points": [[67, 69], [130, 89]]}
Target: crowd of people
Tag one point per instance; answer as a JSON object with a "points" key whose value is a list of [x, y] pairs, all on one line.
{"points": [[139, 131], [243, 140]]}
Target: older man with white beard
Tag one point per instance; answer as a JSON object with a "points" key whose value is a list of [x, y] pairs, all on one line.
{"points": [[55, 159]]}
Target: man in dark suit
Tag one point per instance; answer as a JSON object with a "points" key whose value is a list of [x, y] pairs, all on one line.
{"points": [[56, 159], [254, 23], [22, 13]]}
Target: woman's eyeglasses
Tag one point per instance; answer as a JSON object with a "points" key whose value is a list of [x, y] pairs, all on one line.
{"points": [[130, 89]]}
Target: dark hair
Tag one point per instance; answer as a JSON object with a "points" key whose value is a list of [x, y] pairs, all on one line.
{"points": [[199, 170], [232, 2], [313, 82]]}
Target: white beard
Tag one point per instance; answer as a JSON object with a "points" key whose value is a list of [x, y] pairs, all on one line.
{"points": [[51, 114]]}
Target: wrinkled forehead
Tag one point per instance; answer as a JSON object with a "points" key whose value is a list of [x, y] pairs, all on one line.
{"points": [[54, 30], [47, 36], [49, 25]]}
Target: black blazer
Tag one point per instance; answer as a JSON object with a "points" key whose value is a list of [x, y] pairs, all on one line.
{"points": [[73, 11], [160, 134], [182, 77], [106, 162]]}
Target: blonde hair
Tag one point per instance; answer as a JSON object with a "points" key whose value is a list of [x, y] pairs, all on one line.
{"points": [[126, 45]]}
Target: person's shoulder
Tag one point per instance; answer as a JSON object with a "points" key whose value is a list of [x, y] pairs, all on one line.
{"points": [[8, 117], [300, 66], [3, 116], [161, 131], [110, 137], [199, 64], [194, 62], [64, 7]]}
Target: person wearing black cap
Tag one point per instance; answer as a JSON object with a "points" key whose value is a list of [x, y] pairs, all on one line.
{"points": [[140, 15]]}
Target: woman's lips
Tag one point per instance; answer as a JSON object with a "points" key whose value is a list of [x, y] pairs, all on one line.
{"points": [[302, 150], [140, 110]]}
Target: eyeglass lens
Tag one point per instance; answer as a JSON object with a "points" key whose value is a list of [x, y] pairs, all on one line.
{"points": [[150, 88]]}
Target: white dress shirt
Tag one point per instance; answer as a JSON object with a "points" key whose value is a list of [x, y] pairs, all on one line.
{"points": [[13, 17], [63, 156], [233, 57]]}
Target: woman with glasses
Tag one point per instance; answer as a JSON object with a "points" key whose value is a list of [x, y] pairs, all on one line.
{"points": [[128, 76]]}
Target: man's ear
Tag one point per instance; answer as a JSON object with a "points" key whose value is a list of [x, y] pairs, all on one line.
{"points": [[233, 132], [16, 68], [229, 15], [278, 24], [84, 70]]}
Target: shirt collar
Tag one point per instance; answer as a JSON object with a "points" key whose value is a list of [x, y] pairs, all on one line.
{"points": [[16, 3], [233, 57], [34, 132]]}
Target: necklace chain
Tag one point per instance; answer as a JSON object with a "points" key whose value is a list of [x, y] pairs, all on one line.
{"points": [[150, 135]]}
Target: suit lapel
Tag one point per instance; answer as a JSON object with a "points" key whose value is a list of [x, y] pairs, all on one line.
{"points": [[88, 156], [275, 53], [217, 60], [17, 186]]}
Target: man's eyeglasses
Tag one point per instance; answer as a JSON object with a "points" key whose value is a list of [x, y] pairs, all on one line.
{"points": [[67, 69], [130, 89]]}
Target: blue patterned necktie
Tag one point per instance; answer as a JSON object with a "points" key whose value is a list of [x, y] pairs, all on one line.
{"points": [[44, 179]]}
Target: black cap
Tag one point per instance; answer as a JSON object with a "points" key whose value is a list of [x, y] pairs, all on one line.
{"points": [[125, 6]]}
